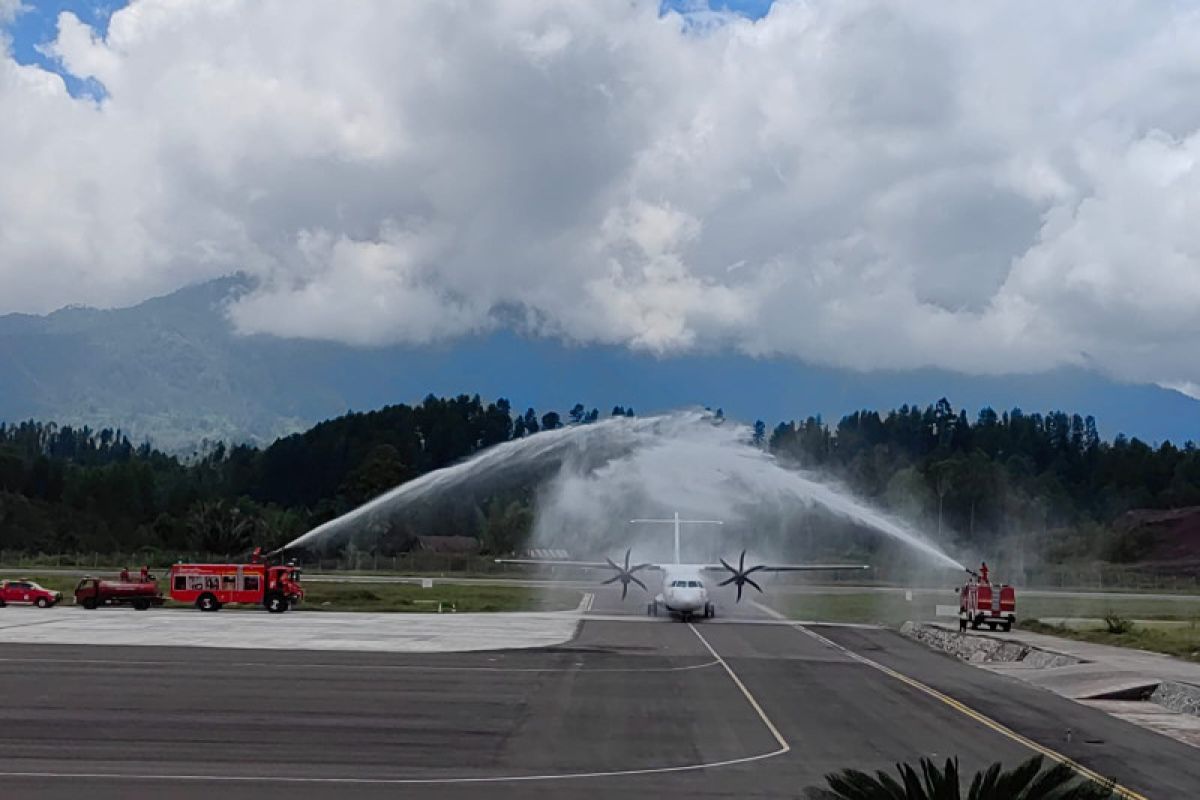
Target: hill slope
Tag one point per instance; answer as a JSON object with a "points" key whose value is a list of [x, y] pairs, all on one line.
{"points": [[171, 369]]}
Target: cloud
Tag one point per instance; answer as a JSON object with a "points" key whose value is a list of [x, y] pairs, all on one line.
{"points": [[9, 10], [985, 187]]}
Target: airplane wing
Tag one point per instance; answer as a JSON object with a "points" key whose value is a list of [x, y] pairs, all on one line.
{"points": [[550, 562], [791, 567]]}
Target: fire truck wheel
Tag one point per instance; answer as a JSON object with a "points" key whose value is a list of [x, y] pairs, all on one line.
{"points": [[1006, 626], [141, 605], [3, 604], [89, 603], [276, 603], [208, 602]]}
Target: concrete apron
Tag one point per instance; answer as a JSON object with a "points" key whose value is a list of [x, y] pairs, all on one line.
{"points": [[295, 630]]}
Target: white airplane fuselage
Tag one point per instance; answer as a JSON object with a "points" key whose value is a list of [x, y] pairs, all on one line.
{"points": [[684, 593]]}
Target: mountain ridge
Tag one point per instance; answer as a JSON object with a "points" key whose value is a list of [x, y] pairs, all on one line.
{"points": [[171, 369]]}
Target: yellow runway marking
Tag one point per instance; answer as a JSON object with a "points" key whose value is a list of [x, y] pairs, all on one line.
{"points": [[962, 708]]}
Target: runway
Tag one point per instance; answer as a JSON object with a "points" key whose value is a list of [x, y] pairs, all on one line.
{"points": [[701, 710]]}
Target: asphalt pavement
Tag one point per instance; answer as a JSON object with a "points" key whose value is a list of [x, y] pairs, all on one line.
{"points": [[696, 710]]}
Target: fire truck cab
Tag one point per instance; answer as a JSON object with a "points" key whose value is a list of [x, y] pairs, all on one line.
{"points": [[981, 602], [210, 586]]}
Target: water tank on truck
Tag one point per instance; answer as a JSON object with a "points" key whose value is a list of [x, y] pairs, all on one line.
{"points": [[141, 592]]}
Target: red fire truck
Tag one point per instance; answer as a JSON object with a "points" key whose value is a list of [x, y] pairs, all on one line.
{"points": [[981, 602], [210, 586]]}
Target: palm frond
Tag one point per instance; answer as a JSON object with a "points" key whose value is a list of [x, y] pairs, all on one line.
{"points": [[927, 781]]}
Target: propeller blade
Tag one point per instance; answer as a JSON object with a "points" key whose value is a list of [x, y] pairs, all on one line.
{"points": [[742, 563], [752, 570], [755, 585], [727, 581], [627, 549], [613, 564], [739, 599], [624, 589], [639, 583], [613, 579], [637, 567], [725, 564]]}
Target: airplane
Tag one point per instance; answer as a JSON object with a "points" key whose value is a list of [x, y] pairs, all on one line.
{"points": [[684, 594]]}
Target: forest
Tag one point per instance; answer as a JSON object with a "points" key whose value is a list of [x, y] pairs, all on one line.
{"points": [[78, 490]]}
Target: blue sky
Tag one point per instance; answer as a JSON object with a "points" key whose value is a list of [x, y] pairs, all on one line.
{"points": [[37, 24], [825, 186]]}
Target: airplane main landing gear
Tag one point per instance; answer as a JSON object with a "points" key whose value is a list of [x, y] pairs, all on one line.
{"points": [[710, 610], [652, 608]]}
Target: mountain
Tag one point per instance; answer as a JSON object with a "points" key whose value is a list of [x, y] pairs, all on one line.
{"points": [[170, 369]]}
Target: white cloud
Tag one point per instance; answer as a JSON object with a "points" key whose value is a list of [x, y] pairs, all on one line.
{"points": [[987, 187]]}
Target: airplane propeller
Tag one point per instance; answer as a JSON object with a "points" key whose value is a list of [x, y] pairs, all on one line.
{"points": [[625, 574], [740, 575]]}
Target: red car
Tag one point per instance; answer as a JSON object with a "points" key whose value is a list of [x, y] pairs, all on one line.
{"points": [[27, 592]]}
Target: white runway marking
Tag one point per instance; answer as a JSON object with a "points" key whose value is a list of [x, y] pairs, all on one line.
{"points": [[783, 745], [782, 749]]}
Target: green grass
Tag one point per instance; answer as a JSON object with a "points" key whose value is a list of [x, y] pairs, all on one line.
{"points": [[403, 597], [397, 597], [1182, 641], [890, 608], [60, 583]]}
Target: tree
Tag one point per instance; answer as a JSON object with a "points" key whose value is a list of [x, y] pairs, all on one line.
{"points": [[381, 471], [551, 420], [531, 421], [505, 527], [220, 529], [944, 474], [577, 413], [1027, 781], [760, 433]]}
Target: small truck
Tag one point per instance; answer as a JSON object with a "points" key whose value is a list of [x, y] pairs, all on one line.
{"points": [[981, 602], [140, 592]]}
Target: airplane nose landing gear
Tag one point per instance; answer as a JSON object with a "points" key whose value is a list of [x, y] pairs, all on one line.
{"points": [[652, 608]]}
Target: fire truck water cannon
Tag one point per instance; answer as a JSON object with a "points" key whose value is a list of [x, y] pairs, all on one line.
{"points": [[276, 587], [981, 602]]}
